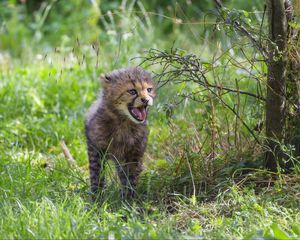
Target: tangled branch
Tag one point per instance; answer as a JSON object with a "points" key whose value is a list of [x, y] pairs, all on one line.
{"points": [[242, 30], [186, 68], [179, 68]]}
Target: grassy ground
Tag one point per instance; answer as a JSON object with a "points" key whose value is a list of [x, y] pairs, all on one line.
{"points": [[184, 193]]}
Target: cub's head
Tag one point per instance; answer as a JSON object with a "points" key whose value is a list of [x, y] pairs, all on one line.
{"points": [[130, 91]]}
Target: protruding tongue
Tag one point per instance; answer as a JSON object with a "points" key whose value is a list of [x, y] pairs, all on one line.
{"points": [[140, 113]]}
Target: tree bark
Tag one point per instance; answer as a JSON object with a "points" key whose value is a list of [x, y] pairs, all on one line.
{"points": [[276, 84], [293, 77]]}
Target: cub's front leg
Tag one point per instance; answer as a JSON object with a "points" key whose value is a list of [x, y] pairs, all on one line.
{"points": [[129, 173]]}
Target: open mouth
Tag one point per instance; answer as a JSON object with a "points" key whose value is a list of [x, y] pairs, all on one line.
{"points": [[138, 113]]}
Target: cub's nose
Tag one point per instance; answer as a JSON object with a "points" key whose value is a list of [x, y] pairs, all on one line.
{"points": [[145, 101]]}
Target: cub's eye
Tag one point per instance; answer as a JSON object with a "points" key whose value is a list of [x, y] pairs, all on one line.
{"points": [[132, 92], [149, 90]]}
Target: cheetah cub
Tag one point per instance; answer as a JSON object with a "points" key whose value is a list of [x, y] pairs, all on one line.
{"points": [[116, 126]]}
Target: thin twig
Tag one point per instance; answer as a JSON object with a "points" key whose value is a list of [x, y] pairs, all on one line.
{"points": [[238, 26], [67, 153], [188, 68], [166, 59]]}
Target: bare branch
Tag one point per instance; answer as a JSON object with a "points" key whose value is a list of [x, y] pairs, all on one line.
{"points": [[238, 26], [179, 68], [184, 69]]}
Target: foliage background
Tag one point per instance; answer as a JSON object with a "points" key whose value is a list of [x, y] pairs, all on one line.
{"points": [[197, 182]]}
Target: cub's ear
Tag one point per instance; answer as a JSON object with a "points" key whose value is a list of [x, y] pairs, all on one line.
{"points": [[105, 79]]}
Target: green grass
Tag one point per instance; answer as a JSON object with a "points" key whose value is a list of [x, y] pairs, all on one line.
{"points": [[42, 196], [195, 184]]}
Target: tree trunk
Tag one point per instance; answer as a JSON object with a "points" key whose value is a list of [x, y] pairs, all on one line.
{"points": [[276, 85], [293, 77]]}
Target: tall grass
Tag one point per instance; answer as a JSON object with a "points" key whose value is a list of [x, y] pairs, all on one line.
{"points": [[193, 185]]}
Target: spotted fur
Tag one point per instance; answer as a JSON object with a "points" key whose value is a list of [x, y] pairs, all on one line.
{"points": [[114, 132]]}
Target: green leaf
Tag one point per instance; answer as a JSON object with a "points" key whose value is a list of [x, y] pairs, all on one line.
{"points": [[246, 14], [279, 233], [296, 229], [294, 25]]}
